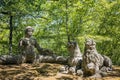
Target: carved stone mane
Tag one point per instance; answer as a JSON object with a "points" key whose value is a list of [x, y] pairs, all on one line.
{"points": [[91, 58], [95, 64]]}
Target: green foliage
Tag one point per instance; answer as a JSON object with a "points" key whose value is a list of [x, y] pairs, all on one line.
{"points": [[97, 19]]}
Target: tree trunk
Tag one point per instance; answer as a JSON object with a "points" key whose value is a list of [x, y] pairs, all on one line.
{"points": [[10, 36]]}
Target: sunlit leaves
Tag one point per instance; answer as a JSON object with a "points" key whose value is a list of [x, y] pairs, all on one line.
{"points": [[97, 19]]}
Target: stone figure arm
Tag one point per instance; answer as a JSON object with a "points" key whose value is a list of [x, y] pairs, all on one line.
{"points": [[40, 50], [20, 46], [22, 42]]}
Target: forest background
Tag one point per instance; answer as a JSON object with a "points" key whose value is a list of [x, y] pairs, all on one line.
{"points": [[54, 20]]}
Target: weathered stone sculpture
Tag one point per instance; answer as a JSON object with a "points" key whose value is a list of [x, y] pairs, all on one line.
{"points": [[74, 60], [27, 47], [93, 62], [28, 44], [75, 54], [107, 64], [50, 59]]}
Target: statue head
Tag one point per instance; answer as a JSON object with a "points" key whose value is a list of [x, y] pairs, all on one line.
{"points": [[90, 44], [71, 45], [29, 30]]}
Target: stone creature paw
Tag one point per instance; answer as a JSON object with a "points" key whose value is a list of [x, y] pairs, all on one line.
{"points": [[72, 70], [106, 69], [64, 69], [97, 75], [79, 72]]}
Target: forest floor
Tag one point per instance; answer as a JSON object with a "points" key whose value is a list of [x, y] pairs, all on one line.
{"points": [[45, 71]]}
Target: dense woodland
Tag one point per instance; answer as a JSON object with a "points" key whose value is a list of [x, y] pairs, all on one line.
{"points": [[54, 20]]}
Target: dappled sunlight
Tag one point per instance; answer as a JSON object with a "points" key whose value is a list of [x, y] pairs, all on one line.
{"points": [[46, 71]]}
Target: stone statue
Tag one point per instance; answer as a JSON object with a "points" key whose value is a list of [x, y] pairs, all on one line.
{"points": [[28, 44], [93, 62], [27, 47], [50, 57], [75, 53], [107, 64], [74, 60]]}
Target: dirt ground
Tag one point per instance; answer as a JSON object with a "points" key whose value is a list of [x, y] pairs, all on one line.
{"points": [[45, 71]]}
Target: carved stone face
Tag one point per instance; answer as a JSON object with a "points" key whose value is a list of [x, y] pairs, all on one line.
{"points": [[71, 45], [90, 44], [29, 32]]}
